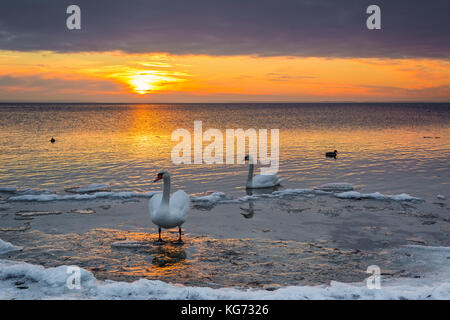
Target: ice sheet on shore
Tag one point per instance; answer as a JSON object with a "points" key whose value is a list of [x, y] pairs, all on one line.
{"points": [[8, 247], [95, 187], [336, 186], [8, 189], [376, 196], [213, 198], [56, 197], [51, 283]]}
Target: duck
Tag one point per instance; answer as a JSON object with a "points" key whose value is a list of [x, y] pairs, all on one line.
{"points": [[52, 140], [168, 211], [260, 180], [331, 154]]}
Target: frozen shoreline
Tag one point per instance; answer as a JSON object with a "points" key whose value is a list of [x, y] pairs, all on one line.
{"points": [[25, 281], [337, 224]]}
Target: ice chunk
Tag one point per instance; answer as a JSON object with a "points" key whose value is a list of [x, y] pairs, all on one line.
{"points": [[8, 189], [129, 244], [337, 186], [90, 196], [213, 197], [96, 187], [376, 196], [8, 247]]}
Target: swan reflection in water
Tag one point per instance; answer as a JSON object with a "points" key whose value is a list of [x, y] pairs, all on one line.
{"points": [[250, 211], [136, 255], [168, 255]]}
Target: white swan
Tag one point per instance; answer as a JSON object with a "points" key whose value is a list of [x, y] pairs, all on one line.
{"points": [[168, 213], [260, 180]]}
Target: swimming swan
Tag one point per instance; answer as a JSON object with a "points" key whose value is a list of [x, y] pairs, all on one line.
{"points": [[260, 180], [168, 213]]}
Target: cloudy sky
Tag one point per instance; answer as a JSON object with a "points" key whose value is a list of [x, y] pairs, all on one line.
{"points": [[233, 50]]}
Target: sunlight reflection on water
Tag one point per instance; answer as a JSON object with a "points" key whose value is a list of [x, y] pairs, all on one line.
{"points": [[382, 147]]}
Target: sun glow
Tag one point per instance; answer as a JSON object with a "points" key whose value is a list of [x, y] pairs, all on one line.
{"points": [[144, 83], [121, 77]]}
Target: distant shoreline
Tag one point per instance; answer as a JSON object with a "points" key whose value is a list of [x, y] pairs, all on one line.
{"points": [[249, 102]]}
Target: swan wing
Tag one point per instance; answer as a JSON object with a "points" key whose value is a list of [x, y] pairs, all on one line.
{"points": [[265, 181], [179, 205], [154, 203]]}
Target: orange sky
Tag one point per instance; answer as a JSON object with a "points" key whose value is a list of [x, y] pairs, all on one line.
{"points": [[120, 77]]}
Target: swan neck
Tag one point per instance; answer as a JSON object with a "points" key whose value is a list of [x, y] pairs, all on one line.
{"points": [[250, 172], [166, 190]]}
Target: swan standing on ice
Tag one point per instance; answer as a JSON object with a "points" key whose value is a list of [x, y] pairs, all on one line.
{"points": [[168, 211], [260, 180]]}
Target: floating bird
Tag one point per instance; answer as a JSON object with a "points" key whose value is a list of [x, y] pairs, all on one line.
{"points": [[331, 154], [168, 211], [260, 180], [52, 140]]}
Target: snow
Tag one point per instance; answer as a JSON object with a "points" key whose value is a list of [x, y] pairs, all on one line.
{"points": [[50, 283], [376, 196], [8, 247]]}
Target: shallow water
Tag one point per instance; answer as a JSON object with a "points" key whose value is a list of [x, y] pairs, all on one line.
{"points": [[293, 239], [390, 148], [200, 261]]}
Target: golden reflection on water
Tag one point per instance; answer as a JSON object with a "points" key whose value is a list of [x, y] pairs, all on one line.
{"points": [[167, 259], [122, 145], [200, 261]]}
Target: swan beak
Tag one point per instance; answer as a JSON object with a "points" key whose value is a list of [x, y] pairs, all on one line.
{"points": [[157, 179]]}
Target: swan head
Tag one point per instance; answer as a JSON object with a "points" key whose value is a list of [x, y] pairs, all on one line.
{"points": [[249, 158], [161, 175], [335, 151]]}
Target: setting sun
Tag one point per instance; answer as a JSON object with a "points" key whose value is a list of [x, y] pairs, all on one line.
{"points": [[144, 83]]}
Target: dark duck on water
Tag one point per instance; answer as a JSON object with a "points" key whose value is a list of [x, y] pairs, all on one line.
{"points": [[331, 154]]}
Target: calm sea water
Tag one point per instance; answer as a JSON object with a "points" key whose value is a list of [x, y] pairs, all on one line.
{"points": [[390, 148]]}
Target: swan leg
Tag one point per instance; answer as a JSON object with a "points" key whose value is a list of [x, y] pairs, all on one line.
{"points": [[179, 236], [160, 241]]}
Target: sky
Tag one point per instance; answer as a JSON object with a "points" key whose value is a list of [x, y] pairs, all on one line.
{"points": [[224, 51]]}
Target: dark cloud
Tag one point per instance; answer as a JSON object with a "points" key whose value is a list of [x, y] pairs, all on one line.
{"points": [[410, 28]]}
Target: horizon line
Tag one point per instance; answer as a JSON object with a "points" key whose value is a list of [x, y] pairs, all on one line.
{"points": [[212, 102]]}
